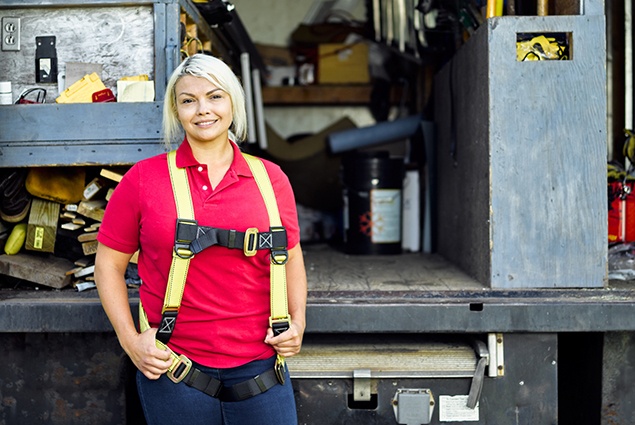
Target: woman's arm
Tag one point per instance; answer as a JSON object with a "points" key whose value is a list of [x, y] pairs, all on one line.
{"points": [[110, 269], [289, 342]]}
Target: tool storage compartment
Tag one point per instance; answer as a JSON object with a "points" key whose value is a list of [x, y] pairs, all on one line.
{"points": [[521, 156], [431, 379]]}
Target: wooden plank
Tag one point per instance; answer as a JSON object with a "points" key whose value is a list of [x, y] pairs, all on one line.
{"points": [[331, 270], [42, 227], [567, 7], [321, 95], [89, 247], [114, 174], [44, 270], [87, 237], [92, 209]]}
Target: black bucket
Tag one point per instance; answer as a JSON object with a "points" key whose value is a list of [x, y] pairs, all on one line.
{"points": [[373, 183]]}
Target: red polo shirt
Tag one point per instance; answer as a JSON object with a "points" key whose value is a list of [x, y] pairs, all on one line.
{"points": [[225, 308]]}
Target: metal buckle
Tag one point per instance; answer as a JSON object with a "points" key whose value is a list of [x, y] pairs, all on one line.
{"points": [[183, 252], [166, 327], [278, 368], [250, 244], [279, 256], [279, 253], [183, 238], [180, 370]]}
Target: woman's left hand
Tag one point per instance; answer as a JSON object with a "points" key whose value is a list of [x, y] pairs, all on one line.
{"points": [[289, 342]]}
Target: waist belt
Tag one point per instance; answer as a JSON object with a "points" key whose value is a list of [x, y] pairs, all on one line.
{"points": [[183, 371]]}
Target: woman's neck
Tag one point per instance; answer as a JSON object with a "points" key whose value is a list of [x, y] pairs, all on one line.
{"points": [[217, 157]]}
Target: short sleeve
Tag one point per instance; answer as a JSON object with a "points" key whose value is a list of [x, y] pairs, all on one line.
{"points": [[120, 227]]}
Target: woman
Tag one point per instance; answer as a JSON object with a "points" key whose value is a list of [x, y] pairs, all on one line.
{"points": [[223, 321]]}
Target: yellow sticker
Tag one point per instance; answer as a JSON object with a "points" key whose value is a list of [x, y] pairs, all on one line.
{"points": [[38, 241]]}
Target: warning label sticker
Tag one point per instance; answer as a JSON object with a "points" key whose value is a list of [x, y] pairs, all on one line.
{"points": [[454, 409]]}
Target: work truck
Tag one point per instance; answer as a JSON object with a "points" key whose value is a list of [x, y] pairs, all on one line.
{"points": [[504, 316]]}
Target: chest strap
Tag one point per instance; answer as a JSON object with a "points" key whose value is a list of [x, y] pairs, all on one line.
{"points": [[190, 239], [279, 319]]}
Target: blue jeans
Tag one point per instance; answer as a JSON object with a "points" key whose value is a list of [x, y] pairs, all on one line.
{"points": [[165, 402]]}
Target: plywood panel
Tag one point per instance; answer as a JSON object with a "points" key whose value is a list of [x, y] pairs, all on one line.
{"points": [[121, 39], [521, 157]]}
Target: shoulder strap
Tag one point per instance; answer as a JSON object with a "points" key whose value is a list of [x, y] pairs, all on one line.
{"points": [[180, 263], [279, 318]]}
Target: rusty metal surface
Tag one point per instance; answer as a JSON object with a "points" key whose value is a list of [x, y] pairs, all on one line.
{"points": [[618, 375], [61, 379]]}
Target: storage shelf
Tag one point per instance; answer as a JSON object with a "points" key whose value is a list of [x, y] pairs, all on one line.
{"points": [[322, 95], [78, 134]]}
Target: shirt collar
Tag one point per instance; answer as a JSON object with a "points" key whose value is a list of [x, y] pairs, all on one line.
{"points": [[185, 158]]}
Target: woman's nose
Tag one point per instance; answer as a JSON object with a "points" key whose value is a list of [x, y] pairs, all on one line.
{"points": [[203, 108]]}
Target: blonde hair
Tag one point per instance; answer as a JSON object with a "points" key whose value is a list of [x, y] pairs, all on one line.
{"points": [[219, 74]]}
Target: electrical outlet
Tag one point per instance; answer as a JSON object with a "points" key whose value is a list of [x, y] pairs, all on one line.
{"points": [[10, 33]]}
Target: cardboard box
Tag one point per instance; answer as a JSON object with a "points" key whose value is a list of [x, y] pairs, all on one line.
{"points": [[340, 63], [621, 212]]}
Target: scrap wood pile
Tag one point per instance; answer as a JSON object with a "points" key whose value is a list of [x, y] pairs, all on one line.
{"points": [[50, 218]]}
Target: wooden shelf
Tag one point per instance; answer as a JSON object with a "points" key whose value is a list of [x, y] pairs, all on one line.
{"points": [[321, 95]]}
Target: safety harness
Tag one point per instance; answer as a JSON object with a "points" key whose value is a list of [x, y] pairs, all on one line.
{"points": [[191, 239]]}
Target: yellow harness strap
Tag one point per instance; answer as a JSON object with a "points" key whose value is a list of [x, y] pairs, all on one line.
{"points": [[279, 319], [279, 300]]}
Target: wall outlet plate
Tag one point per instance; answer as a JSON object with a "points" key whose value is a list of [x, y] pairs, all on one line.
{"points": [[10, 33]]}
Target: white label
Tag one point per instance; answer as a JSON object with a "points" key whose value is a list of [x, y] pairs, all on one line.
{"points": [[454, 409], [385, 207]]}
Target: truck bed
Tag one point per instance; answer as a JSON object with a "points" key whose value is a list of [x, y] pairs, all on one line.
{"points": [[406, 293]]}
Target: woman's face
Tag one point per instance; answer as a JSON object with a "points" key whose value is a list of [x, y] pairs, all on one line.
{"points": [[204, 110]]}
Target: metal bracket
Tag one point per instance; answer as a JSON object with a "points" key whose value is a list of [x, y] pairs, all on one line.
{"points": [[45, 59], [496, 353], [361, 385]]}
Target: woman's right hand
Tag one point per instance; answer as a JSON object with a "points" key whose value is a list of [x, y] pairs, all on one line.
{"points": [[147, 357]]}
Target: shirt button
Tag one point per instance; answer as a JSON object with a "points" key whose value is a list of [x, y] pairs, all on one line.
{"points": [[204, 187], [200, 169]]}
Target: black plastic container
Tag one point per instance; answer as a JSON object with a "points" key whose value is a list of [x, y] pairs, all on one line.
{"points": [[373, 183]]}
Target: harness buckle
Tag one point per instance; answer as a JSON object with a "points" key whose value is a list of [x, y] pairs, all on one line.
{"points": [[180, 370], [279, 325], [166, 327], [279, 256], [186, 231], [250, 245], [279, 253], [279, 369]]}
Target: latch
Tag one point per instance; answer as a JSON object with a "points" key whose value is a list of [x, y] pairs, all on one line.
{"points": [[479, 374], [413, 406]]}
